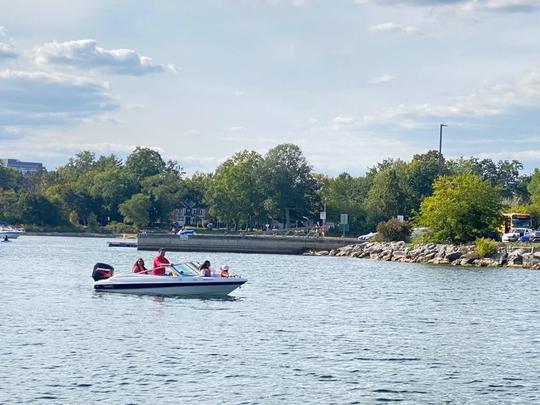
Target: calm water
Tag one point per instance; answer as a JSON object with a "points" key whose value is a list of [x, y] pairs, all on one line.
{"points": [[302, 330]]}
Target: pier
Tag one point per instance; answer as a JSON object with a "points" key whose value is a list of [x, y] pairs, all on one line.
{"points": [[290, 245]]}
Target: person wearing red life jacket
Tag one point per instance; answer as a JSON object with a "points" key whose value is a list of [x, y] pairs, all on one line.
{"points": [[160, 263], [138, 267]]}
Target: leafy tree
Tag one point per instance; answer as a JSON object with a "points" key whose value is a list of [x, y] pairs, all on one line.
{"points": [[81, 163], [534, 186], [165, 191], [144, 162], [287, 180], [37, 209], [233, 192], [504, 174], [423, 170], [111, 186], [345, 194], [390, 194], [461, 209], [9, 206], [196, 187], [136, 210], [10, 179]]}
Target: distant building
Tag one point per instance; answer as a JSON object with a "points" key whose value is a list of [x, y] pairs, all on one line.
{"points": [[23, 167], [190, 214]]}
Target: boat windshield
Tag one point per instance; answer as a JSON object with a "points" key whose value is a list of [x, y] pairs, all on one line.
{"points": [[186, 269]]}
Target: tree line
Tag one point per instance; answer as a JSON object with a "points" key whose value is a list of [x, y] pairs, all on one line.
{"points": [[249, 190]]}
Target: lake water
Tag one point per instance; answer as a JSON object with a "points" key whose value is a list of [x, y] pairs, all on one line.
{"points": [[319, 330]]}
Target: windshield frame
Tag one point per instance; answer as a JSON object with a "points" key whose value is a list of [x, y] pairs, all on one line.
{"points": [[185, 269]]}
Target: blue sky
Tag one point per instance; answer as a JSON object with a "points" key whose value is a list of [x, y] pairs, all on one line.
{"points": [[352, 82]]}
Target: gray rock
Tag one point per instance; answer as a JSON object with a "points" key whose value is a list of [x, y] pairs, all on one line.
{"points": [[451, 256]]}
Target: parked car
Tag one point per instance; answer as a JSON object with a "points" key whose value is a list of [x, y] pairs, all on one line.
{"points": [[535, 236], [186, 232], [510, 237]]}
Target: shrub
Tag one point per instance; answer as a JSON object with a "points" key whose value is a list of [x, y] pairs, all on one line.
{"points": [[119, 227], [485, 247], [393, 230]]}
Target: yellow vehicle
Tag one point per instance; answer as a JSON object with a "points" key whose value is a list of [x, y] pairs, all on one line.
{"points": [[515, 221]]}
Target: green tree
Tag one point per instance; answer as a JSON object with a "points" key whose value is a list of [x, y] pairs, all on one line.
{"points": [[10, 179], [144, 162], [287, 179], [233, 193], [196, 188], [37, 209], [423, 170], [390, 194], [461, 209], [503, 174], [136, 210], [166, 191], [534, 186], [9, 210], [111, 186], [345, 194]]}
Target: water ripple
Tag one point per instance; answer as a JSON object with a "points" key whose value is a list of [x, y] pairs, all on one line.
{"points": [[341, 331]]}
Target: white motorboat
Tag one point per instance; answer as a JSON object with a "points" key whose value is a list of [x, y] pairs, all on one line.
{"points": [[10, 231], [181, 279]]}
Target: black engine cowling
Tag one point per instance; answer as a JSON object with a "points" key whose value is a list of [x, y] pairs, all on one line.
{"points": [[102, 271]]}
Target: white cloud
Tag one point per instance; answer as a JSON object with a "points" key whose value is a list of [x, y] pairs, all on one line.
{"points": [[40, 98], [393, 27], [7, 50], [344, 120], [86, 54], [294, 3], [488, 101], [504, 6], [235, 129], [384, 78]]}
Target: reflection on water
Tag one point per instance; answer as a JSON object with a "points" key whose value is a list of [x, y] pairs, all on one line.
{"points": [[309, 329]]}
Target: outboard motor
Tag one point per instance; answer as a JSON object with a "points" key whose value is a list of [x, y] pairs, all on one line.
{"points": [[102, 271]]}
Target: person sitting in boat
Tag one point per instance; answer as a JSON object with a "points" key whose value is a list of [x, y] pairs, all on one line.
{"points": [[160, 263], [138, 267], [205, 269], [224, 271], [6, 239]]}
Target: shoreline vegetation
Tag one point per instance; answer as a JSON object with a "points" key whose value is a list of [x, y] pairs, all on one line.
{"points": [[459, 200], [432, 253]]}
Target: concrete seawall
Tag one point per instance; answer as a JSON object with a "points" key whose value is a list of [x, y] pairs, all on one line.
{"points": [[292, 245]]}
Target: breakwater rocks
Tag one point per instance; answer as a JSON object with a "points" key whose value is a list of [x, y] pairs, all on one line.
{"points": [[462, 255]]}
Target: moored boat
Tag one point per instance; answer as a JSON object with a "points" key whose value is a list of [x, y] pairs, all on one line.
{"points": [[11, 231], [181, 279]]}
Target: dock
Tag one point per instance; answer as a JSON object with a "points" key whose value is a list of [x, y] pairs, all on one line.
{"points": [[122, 244], [270, 244]]}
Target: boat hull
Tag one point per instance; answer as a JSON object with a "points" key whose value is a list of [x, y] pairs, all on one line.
{"points": [[192, 287]]}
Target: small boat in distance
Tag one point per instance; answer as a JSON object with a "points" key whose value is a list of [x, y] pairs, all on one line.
{"points": [[181, 279], [9, 230]]}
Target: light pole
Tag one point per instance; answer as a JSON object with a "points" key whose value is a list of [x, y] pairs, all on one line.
{"points": [[440, 146]]}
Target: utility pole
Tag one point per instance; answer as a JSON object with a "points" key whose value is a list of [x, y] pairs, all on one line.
{"points": [[440, 146]]}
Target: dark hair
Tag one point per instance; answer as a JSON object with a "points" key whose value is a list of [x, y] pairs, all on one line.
{"points": [[205, 264]]}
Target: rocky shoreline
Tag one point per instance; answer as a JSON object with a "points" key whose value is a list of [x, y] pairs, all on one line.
{"points": [[462, 255]]}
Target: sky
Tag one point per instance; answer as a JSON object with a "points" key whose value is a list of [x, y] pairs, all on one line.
{"points": [[352, 82]]}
